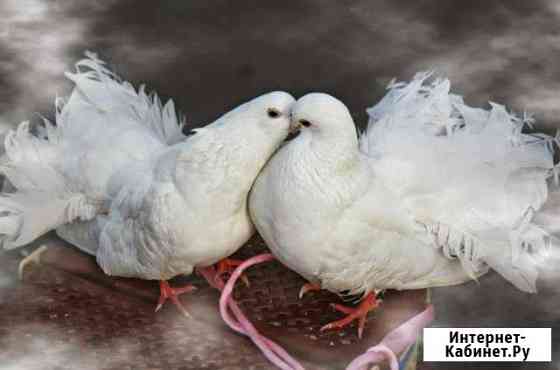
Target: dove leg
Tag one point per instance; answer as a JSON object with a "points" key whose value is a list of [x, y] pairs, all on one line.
{"points": [[34, 257], [359, 313], [210, 275], [226, 266], [308, 287], [167, 292]]}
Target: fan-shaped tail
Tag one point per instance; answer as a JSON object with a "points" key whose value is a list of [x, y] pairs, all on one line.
{"points": [[474, 169], [52, 186], [43, 200], [100, 96]]}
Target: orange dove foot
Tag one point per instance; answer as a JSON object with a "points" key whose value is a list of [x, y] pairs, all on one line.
{"points": [[226, 266], [369, 303], [167, 292]]}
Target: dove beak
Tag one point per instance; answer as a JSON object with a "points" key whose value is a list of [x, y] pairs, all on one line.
{"points": [[294, 126]]}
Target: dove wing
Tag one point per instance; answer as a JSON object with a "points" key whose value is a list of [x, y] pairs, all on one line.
{"points": [[148, 217]]}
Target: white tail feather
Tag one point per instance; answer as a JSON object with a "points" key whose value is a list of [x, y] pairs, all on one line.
{"points": [[42, 201], [52, 190], [493, 178], [26, 216], [104, 90]]}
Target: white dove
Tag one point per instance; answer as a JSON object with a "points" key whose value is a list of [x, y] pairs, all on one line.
{"points": [[434, 193], [117, 178]]}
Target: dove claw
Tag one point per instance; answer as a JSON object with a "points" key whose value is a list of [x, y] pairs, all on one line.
{"points": [[361, 325], [226, 266], [35, 257], [369, 303], [245, 280], [167, 292], [308, 287]]}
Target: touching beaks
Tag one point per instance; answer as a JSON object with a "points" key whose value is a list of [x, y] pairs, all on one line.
{"points": [[294, 126]]}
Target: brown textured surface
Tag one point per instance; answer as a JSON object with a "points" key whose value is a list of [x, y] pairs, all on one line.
{"points": [[68, 315]]}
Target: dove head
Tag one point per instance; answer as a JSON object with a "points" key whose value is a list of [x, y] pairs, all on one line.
{"points": [[268, 114], [322, 116]]}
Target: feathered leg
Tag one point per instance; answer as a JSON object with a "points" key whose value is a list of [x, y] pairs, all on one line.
{"points": [[369, 303], [167, 292]]}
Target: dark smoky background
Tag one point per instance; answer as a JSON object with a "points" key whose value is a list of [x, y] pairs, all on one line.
{"points": [[209, 56]]}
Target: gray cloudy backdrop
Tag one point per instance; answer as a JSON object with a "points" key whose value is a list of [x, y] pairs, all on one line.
{"points": [[211, 55]]}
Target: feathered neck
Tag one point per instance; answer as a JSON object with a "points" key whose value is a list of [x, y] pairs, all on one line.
{"points": [[328, 147], [327, 168]]}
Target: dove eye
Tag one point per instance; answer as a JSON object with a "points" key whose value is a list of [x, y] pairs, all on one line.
{"points": [[305, 123], [273, 113]]}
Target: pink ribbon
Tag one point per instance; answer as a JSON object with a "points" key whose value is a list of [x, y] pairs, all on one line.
{"points": [[394, 342], [271, 350]]}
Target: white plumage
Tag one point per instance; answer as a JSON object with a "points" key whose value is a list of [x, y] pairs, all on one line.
{"points": [[116, 177], [434, 193]]}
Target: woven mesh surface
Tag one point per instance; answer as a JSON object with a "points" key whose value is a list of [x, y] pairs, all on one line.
{"points": [[67, 314]]}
